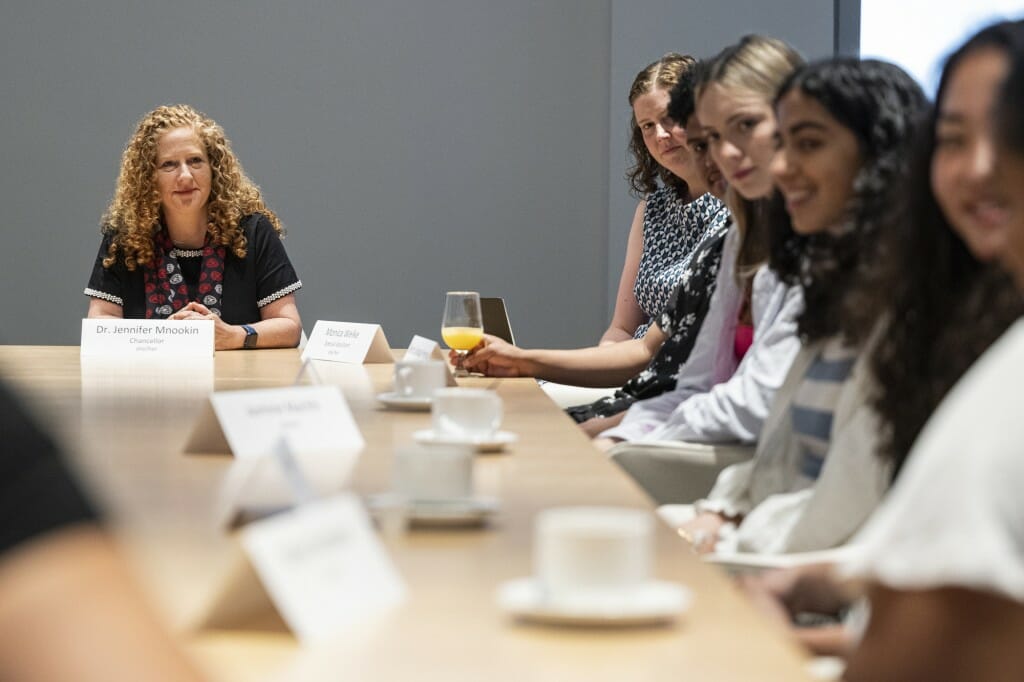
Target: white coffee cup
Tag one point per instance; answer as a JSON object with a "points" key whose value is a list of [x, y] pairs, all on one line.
{"points": [[470, 413], [419, 378], [591, 551], [433, 474]]}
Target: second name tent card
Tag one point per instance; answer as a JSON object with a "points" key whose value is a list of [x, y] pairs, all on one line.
{"points": [[349, 342], [250, 423]]}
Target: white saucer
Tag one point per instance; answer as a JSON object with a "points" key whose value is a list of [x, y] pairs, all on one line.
{"points": [[473, 511], [490, 444], [652, 603], [403, 402]]}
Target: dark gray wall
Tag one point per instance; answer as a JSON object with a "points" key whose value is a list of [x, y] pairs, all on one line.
{"points": [[410, 147]]}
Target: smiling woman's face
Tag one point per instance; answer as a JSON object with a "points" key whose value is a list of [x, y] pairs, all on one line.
{"points": [[963, 167], [815, 165], [740, 127], [183, 175]]}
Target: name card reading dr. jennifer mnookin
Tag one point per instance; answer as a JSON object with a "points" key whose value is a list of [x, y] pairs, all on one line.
{"points": [[110, 337]]}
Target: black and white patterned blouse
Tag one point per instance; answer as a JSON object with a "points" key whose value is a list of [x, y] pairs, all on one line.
{"points": [[673, 227], [681, 320]]}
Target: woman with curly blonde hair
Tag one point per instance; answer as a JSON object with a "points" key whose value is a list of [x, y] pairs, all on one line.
{"points": [[187, 236]]}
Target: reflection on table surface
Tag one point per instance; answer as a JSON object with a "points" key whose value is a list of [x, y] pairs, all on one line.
{"points": [[126, 428]]}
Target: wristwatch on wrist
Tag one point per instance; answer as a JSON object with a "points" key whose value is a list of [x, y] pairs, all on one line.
{"points": [[251, 337]]}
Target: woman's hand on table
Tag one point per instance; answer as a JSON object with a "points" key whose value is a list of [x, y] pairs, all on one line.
{"points": [[226, 336], [595, 426], [702, 531], [605, 444], [784, 594], [812, 588], [495, 357]]}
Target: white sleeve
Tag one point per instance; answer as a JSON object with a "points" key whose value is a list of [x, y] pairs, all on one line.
{"points": [[736, 409], [733, 493], [849, 489], [729, 496], [955, 516], [697, 374], [644, 416]]}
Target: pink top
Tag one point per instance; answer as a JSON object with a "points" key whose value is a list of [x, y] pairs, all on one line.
{"points": [[743, 340]]}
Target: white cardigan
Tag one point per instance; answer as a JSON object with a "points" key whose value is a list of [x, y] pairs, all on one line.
{"points": [[782, 512], [955, 517], [714, 400]]}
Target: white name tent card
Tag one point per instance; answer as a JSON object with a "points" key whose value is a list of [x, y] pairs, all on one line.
{"points": [[422, 348], [323, 567], [351, 342], [316, 570], [256, 487], [147, 338], [315, 419]]}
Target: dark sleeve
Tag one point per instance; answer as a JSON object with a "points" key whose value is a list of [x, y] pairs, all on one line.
{"points": [[275, 276], [38, 494], [107, 283]]}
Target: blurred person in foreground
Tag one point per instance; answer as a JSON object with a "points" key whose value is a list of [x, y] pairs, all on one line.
{"points": [[69, 608]]}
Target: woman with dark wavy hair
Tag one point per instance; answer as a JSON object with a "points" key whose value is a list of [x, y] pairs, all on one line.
{"points": [[1009, 122], [845, 128], [944, 557], [188, 236], [941, 559], [950, 302]]}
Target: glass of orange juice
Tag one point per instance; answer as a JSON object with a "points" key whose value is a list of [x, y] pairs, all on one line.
{"points": [[462, 326]]}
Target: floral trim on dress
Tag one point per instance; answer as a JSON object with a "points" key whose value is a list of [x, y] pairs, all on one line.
{"points": [[279, 294], [94, 293]]}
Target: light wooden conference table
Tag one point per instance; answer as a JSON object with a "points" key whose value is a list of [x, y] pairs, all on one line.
{"points": [[126, 426]]}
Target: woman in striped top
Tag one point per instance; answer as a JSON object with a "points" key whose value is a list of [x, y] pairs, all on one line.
{"points": [[845, 128]]}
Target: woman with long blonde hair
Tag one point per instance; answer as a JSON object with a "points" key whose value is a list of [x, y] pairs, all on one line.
{"points": [[188, 236], [748, 339]]}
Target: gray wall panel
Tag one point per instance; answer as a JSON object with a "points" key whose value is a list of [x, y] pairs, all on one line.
{"points": [[409, 147], [643, 30]]}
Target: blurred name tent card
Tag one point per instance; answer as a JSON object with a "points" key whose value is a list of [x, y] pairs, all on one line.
{"points": [[350, 342], [315, 419], [140, 339], [421, 348], [256, 487], [321, 566]]}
